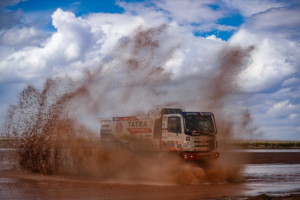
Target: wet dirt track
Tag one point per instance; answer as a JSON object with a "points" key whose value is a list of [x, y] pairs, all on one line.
{"points": [[274, 173]]}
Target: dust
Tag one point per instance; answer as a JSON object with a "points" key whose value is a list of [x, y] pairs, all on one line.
{"points": [[231, 125], [55, 139]]}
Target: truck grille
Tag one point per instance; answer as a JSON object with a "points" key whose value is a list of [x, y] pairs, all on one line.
{"points": [[206, 144]]}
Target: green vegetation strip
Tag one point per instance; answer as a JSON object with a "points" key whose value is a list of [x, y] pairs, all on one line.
{"points": [[268, 144], [7, 142]]}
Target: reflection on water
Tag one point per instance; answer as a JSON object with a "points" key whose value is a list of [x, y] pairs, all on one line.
{"points": [[275, 178], [272, 179], [273, 150], [268, 150], [7, 149]]}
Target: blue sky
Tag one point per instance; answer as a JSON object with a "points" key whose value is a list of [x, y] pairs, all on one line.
{"points": [[41, 39], [81, 8], [78, 7]]}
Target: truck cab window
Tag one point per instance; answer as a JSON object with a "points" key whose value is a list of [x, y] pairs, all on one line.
{"points": [[200, 125], [174, 124]]}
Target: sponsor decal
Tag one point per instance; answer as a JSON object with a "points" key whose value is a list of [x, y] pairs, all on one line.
{"points": [[135, 131], [105, 125], [136, 127], [137, 124]]}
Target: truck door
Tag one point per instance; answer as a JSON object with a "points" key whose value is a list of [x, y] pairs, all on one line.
{"points": [[172, 135]]}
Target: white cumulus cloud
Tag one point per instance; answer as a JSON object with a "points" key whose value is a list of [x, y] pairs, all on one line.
{"points": [[276, 45], [281, 108], [248, 8]]}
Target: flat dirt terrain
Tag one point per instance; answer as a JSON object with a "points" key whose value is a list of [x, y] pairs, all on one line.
{"points": [[15, 184], [269, 157]]}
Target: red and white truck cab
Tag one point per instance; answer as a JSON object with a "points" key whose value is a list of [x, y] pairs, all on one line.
{"points": [[192, 134]]}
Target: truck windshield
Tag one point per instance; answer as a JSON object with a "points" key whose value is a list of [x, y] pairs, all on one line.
{"points": [[196, 125]]}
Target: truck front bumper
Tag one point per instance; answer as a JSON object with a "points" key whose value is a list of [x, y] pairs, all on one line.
{"points": [[200, 155]]}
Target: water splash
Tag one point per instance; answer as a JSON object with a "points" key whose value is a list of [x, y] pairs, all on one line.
{"points": [[55, 140]]}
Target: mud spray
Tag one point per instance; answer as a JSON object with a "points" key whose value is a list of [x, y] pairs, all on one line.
{"points": [[54, 138]]}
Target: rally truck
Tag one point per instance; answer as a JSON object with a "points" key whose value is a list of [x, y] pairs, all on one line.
{"points": [[191, 134]]}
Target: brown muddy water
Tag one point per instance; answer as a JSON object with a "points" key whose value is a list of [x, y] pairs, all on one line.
{"points": [[279, 176]]}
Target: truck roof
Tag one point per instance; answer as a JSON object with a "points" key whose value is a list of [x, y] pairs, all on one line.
{"points": [[171, 111], [197, 113]]}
